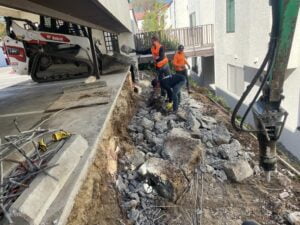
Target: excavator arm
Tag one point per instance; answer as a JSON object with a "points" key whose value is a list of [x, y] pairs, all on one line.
{"points": [[268, 114]]}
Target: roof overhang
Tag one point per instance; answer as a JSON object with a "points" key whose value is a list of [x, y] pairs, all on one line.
{"points": [[89, 13]]}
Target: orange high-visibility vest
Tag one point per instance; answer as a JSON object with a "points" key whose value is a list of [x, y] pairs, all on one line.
{"points": [[155, 54], [179, 61]]}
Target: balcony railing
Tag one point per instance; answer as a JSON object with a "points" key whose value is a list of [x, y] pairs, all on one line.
{"points": [[190, 37]]}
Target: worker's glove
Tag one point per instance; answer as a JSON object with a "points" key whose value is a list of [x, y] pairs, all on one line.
{"points": [[169, 106]]}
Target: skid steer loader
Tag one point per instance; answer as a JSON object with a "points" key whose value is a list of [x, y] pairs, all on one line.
{"points": [[54, 50]]}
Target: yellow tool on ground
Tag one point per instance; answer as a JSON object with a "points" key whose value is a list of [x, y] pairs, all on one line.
{"points": [[169, 106], [42, 145], [59, 135]]}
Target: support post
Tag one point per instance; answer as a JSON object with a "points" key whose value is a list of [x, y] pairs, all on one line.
{"points": [[95, 60]]}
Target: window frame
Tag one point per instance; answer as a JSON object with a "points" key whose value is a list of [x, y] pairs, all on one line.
{"points": [[230, 16]]}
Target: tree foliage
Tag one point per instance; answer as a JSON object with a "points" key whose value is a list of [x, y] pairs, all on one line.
{"points": [[145, 5], [155, 11]]}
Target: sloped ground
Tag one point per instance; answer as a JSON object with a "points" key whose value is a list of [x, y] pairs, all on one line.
{"points": [[220, 185], [155, 167]]}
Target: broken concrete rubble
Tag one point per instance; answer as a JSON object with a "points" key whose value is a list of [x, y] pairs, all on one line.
{"points": [[168, 180], [229, 151], [185, 152], [294, 218], [135, 157], [208, 122], [171, 145], [193, 123], [238, 171], [179, 132], [147, 124], [221, 135]]}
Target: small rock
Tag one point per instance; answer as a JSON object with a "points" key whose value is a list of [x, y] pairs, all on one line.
{"points": [[120, 184], [206, 135], [169, 181], [131, 204], [192, 122], [133, 214], [238, 170], [139, 137], [148, 189], [182, 115], [171, 124], [209, 169], [178, 132], [294, 218], [134, 196], [284, 195], [135, 157], [229, 151], [158, 141], [147, 124], [208, 122], [221, 135], [132, 175], [132, 128], [183, 151], [157, 116], [284, 180], [209, 144], [256, 170], [152, 155], [142, 112], [161, 126], [221, 175], [149, 136]]}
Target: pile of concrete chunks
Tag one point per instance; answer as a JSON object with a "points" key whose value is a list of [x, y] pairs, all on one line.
{"points": [[169, 149]]}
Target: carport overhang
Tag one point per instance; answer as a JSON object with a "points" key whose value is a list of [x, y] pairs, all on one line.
{"points": [[89, 13]]}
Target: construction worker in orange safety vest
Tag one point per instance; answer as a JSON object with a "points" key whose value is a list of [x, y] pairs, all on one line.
{"points": [[161, 62], [179, 63]]}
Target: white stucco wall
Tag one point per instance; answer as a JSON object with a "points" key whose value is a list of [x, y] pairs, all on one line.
{"points": [[204, 9], [120, 9], [246, 48], [179, 14]]}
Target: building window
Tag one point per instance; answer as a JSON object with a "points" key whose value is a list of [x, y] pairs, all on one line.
{"points": [[193, 19], [235, 80], [111, 42], [230, 16]]}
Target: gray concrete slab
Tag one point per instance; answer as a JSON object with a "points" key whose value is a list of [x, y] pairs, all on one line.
{"points": [[32, 99], [31, 206]]}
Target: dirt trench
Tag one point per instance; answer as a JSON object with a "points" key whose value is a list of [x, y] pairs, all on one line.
{"points": [[97, 201]]}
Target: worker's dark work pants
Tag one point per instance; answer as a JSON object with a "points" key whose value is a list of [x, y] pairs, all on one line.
{"points": [[161, 72], [185, 73], [173, 85]]}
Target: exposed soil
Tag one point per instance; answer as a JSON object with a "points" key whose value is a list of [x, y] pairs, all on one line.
{"points": [[97, 201]]}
